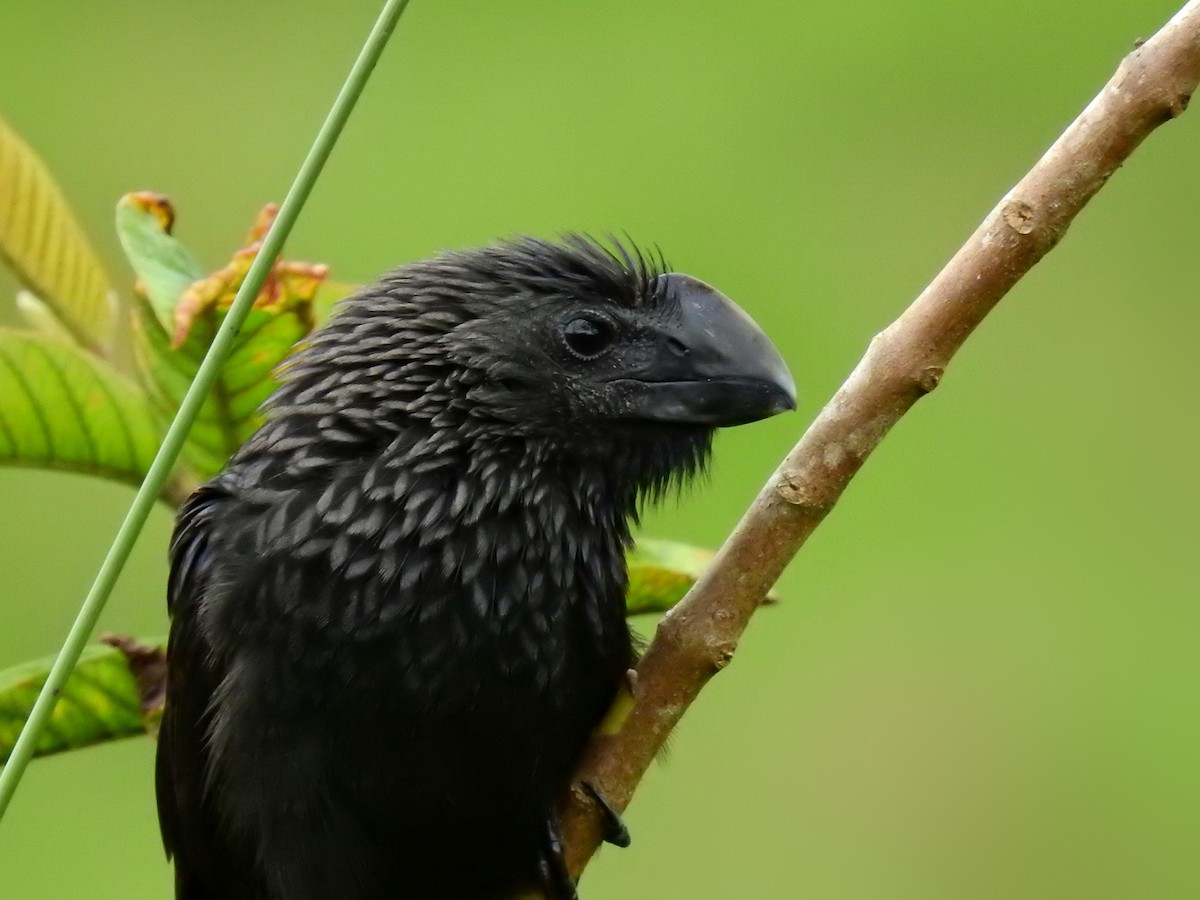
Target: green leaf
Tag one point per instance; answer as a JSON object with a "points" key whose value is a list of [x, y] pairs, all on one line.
{"points": [[174, 331], [63, 408], [115, 691], [230, 412], [164, 267], [42, 243], [661, 572]]}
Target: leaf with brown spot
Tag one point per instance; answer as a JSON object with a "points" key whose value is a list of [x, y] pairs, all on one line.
{"points": [[178, 312], [101, 701], [163, 265], [148, 664], [288, 286]]}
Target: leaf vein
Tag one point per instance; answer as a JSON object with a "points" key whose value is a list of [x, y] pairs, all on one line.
{"points": [[23, 384], [93, 452]]}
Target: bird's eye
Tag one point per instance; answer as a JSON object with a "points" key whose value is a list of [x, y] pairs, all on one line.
{"points": [[587, 337]]}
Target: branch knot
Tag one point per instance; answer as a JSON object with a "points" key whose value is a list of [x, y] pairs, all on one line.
{"points": [[1019, 216], [929, 378]]}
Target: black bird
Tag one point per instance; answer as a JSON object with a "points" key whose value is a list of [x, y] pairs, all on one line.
{"points": [[398, 614]]}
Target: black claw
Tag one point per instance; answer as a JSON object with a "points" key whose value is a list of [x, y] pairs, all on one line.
{"points": [[556, 881], [615, 831]]}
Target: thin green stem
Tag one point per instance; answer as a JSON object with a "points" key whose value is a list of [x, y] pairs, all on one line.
{"points": [[164, 461]]}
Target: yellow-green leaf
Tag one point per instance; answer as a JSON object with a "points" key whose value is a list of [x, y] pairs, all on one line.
{"points": [[661, 572], [63, 408], [172, 338], [47, 250], [114, 692]]}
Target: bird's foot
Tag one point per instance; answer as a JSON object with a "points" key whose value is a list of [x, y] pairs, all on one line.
{"points": [[556, 881], [615, 831]]}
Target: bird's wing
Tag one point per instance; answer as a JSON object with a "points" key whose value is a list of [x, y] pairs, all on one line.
{"points": [[207, 866]]}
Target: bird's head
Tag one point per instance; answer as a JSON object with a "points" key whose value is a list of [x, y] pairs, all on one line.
{"points": [[571, 344]]}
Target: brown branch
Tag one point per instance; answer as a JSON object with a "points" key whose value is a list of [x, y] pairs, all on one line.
{"points": [[1152, 85]]}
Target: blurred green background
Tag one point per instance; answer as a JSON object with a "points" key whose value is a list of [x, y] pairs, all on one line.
{"points": [[983, 681]]}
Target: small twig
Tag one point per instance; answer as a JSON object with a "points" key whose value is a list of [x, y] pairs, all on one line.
{"points": [[906, 361]]}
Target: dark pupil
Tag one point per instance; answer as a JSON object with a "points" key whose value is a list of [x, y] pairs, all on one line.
{"points": [[587, 337]]}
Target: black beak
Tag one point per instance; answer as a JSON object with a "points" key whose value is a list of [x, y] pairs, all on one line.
{"points": [[713, 365]]}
